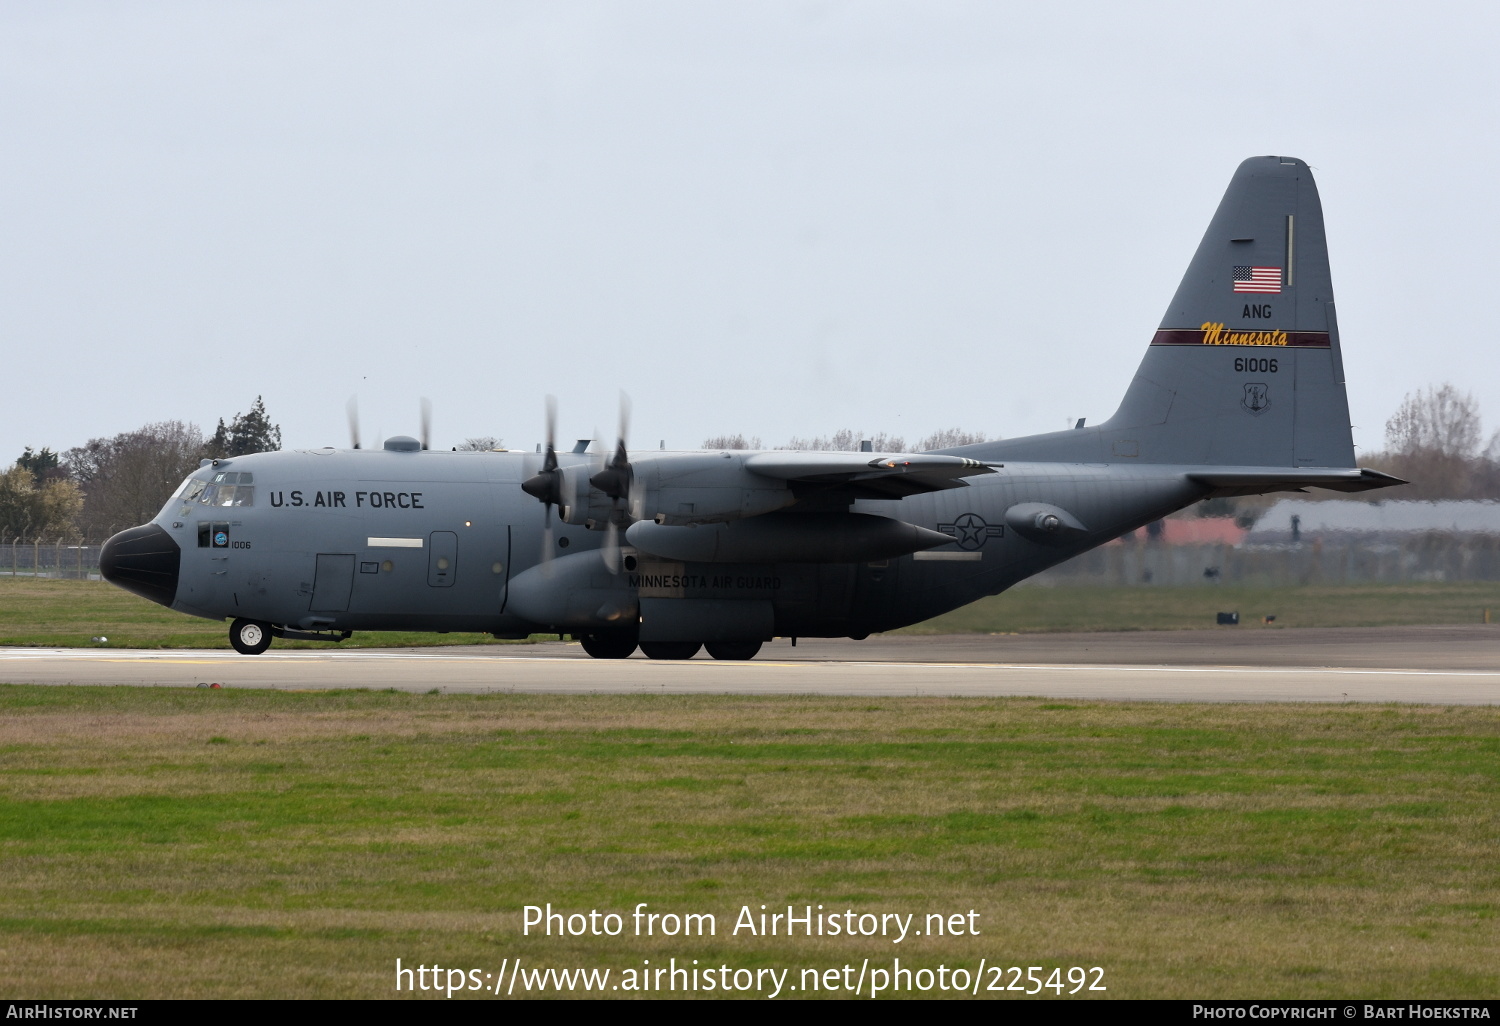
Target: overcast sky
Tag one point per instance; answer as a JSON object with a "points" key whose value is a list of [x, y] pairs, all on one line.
{"points": [[771, 218]]}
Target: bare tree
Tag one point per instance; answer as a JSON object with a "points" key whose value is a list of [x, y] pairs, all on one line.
{"points": [[127, 478], [483, 443], [1433, 441], [948, 438], [845, 440], [1441, 421], [732, 442]]}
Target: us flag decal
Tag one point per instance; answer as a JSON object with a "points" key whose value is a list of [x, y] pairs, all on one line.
{"points": [[1257, 279]]}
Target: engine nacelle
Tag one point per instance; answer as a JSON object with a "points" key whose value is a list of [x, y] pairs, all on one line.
{"points": [[703, 488]]}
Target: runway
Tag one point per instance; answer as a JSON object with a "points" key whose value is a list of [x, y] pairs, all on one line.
{"points": [[1438, 665]]}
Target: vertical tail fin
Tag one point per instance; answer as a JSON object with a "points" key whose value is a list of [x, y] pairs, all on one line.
{"points": [[1245, 368], [1249, 348]]}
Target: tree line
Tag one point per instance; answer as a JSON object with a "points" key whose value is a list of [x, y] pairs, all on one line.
{"points": [[848, 440], [1434, 440], [120, 481]]}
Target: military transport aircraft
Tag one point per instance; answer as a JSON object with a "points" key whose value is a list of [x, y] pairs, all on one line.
{"points": [[1241, 392]]}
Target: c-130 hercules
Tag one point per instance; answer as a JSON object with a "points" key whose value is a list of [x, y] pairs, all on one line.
{"points": [[1241, 392]]}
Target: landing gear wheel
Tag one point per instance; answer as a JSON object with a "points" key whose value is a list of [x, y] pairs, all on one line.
{"points": [[608, 646], [670, 649], [250, 637], [735, 650]]}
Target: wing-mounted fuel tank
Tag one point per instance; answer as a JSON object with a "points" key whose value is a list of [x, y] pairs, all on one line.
{"points": [[787, 538], [573, 591]]}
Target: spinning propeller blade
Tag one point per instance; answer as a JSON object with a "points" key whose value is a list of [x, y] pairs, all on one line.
{"points": [[546, 484], [352, 409]]}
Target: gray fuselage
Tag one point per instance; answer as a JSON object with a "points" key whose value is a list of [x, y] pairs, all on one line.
{"points": [[356, 539]]}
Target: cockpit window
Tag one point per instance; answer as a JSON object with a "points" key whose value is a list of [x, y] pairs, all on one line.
{"points": [[229, 488]]}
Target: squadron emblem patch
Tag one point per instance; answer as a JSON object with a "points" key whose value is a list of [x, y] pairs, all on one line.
{"points": [[1257, 398]]}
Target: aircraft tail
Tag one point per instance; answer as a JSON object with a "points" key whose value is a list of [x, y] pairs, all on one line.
{"points": [[1245, 369]]}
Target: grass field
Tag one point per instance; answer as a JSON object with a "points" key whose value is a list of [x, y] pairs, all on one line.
{"points": [[164, 843], [59, 613], [64, 614], [1031, 609]]}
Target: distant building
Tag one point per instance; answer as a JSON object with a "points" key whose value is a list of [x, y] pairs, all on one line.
{"points": [[1187, 531], [1305, 520]]}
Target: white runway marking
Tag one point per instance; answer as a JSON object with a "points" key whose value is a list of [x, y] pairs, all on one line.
{"points": [[502, 671]]}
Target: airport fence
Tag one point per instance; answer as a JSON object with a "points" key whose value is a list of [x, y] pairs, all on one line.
{"points": [[1426, 557], [71, 558]]}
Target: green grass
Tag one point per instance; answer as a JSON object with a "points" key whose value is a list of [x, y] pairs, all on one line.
{"points": [[1032, 609], [67, 614], [57, 613], [172, 843]]}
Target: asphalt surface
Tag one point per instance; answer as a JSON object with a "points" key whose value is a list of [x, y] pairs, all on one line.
{"points": [[1428, 665]]}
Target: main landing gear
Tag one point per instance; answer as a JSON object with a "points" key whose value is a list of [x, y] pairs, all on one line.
{"points": [[733, 650], [608, 646], [615, 646]]}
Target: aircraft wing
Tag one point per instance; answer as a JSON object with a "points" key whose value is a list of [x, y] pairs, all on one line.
{"points": [[883, 476]]}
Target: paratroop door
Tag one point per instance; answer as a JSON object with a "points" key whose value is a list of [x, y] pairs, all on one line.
{"points": [[333, 582]]}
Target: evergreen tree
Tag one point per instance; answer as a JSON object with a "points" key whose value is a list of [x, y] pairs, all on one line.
{"points": [[248, 432], [39, 463]]}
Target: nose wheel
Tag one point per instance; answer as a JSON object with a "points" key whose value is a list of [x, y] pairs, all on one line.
{"points": [[250, 637]]}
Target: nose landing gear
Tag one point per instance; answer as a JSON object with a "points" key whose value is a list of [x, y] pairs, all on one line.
{"points": [[250, 637]]}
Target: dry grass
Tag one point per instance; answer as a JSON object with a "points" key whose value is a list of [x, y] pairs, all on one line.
{"points": [[184, 843]]}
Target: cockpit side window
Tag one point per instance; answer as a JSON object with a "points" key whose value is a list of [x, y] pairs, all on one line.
{"points": [[191, 489]]}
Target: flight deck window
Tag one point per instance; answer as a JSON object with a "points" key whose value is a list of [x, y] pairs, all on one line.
{"points": [[229, 488]]}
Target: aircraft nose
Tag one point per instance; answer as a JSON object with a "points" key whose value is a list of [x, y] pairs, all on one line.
{"points": [[144, 560]]}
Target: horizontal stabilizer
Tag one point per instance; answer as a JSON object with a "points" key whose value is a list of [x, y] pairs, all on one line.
{"points": [[1257, 480]]}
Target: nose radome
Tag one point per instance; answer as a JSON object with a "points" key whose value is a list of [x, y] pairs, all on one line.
{"points": [[144, 560]]}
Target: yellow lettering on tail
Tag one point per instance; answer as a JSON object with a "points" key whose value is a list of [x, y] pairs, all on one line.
{"points": [[1215, 335]]}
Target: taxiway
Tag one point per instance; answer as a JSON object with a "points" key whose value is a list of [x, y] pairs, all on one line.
{"points": [[1428, 665]]}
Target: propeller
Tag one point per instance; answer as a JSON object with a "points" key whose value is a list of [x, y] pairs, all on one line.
{"points": [[546, 484], [426, 423], [352, 408], [615, 478]]}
